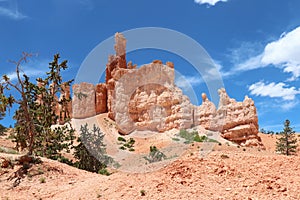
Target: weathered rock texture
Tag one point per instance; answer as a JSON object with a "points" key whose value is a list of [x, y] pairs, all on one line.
{"points": [[64, 109], [237, 121], [84, 104], [115, 69], [147, 98], [101, 98], [204, 114]]}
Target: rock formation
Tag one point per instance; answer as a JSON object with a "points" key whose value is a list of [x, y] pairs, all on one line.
{"points": [[101, 98], [115, 69], [65, 107], [83, 103], [237, 121], [204, 114], [147, 98]]}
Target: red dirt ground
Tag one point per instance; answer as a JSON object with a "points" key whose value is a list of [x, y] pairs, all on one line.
{"points": [[226, 173]]}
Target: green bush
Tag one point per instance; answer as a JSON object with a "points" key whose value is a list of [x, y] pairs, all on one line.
{"points": [[8, 150], [224, 156], [198, 138], [42, 180], [212, 140], [194, 137], [155, 155], [143, 193], [188, 136], [122, 148], [126, 144], [104, 171], [121, 139]]}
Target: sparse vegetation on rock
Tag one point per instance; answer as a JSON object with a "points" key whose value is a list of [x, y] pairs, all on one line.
{"points": [[224, 156], [8, 150], [155, 155], [126, 144], [42, 180], [189, 136], [193, 136], [143, 193]]}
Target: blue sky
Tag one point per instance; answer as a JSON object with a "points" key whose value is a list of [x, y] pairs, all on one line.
{"points": [[255, 43]]}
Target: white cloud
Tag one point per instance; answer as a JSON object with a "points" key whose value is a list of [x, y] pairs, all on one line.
{"points": [[188, 81], [11, 12], [28, 72], [244, 57], [289, 105], [250, 64], [284, 50], [282, 53], [33, 69], [245, 51], [88, 4], [211, 74], [215, 70], [273, 90], [210, 2]]}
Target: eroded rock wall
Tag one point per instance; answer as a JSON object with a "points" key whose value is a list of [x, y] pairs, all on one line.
{"points": [[147, 98], [237, 121], [154, 102], [101, 98], [83, 102]]}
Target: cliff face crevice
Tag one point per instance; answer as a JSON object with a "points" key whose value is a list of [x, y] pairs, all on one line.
{"points": [[147, 99]]}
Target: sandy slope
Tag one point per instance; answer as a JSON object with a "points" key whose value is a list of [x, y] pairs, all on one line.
{"points": [[269, 141], [228, 172], [249, 174]]}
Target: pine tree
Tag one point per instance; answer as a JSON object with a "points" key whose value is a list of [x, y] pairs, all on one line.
{"points": [[91, 151], [37, 110], [5, 102], [2, 114], [287, 143]]}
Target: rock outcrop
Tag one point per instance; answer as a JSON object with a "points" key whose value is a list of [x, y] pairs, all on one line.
{"points": [[147, 98], [205, 113], [101, 98], [83, 102], [241, 122], [65, 107], [115, 69], [237, 121]]}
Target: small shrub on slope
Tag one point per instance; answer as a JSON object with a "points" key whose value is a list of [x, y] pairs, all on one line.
{"points": [[155, 155]]}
